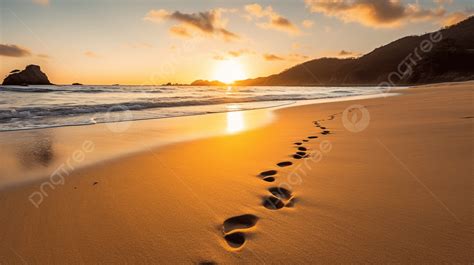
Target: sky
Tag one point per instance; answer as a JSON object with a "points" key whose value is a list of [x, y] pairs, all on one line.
{"points": [[149, 42]]}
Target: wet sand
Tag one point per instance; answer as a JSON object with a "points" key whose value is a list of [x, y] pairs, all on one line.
{"points": [[388, 180]]}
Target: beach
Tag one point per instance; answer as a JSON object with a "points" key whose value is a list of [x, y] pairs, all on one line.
{"points": [[379, 180]]}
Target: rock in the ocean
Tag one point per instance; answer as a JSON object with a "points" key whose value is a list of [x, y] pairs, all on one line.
{"points": [[32, 75]]}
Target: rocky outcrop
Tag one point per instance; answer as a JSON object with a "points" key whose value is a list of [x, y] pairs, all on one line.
{"points": [[32, 75], [207, 83]]}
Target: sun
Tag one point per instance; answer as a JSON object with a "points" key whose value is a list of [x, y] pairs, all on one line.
{"points": [[228, 71]]}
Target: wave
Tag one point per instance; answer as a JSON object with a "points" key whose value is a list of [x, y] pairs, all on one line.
{"points": [[54, 111], [53, 106]]}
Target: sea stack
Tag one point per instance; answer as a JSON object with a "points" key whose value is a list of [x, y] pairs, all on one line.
{"points": [[32, 75]]}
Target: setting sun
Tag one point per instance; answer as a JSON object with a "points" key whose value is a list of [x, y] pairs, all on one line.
{"points": [[229, 71]]}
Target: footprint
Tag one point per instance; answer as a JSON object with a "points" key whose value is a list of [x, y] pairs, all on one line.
{"points": [[298, 143], [280, 198], [244, 221], [235, 240], [272, 203], [305, 140], [325, 132], [280, 192], [322, 127], [297, 157], [301, 153], [312, 137], [268, 173], [269, 179], [301, 148], [285, 163]]}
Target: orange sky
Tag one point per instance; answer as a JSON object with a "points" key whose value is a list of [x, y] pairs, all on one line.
{"points": [[155, 42]]}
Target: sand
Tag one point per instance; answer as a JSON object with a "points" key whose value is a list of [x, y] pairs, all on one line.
{"points": [[390, 185]]}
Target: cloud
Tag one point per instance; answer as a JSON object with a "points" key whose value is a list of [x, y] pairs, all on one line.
{"points": [[374, 13], [91, 54], [307, 23], [41, 2], [273, 20], [180, 31], [233, 53], [297, 57], [455, 18], [12, 50], [237, 53], [272, 57], [44, 56], [209, 23]]}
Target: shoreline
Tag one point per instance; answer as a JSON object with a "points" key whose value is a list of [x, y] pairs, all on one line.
{"points": [[394, 189], [278, 103], [256, 118]]}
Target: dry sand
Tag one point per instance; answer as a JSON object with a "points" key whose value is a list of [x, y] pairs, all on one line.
{"points": [[398, 191]]}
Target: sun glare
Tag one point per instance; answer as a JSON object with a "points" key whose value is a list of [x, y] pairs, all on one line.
{"points": [[229, 71]]}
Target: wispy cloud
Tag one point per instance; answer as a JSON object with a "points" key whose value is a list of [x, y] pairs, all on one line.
{"points": [[209, 23], [237, 53], [91, 54], [233, 53], [375, 13], [272, 57], [297, 57], [273, 20], [12, 50], [44, 56]]}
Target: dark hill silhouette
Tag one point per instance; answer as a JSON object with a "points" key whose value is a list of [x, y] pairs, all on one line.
{"points": [[207, 83], [450, 59]]}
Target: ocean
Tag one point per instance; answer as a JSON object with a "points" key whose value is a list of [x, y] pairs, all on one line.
{"points": [[32, 107]]}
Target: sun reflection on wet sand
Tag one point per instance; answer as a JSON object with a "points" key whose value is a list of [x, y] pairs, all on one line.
{"points": [[235, 122], [32, 154]]}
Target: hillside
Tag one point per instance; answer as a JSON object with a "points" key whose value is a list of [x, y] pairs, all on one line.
{"points": [[450, 59]]}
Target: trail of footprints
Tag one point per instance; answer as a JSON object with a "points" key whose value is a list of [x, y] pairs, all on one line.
{"points": [[235, 228]]}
